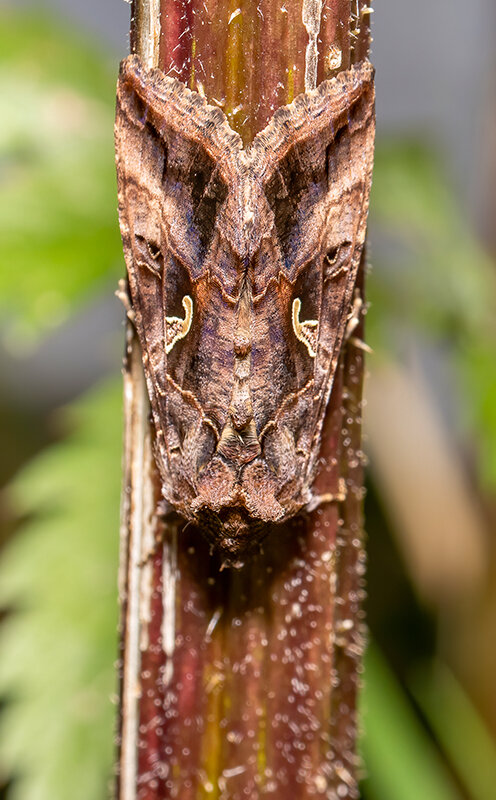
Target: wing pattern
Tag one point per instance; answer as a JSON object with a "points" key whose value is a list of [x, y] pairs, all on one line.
{"points": [[242, 266]]}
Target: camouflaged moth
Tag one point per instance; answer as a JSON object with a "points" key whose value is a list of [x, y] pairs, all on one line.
{"points": [[242, 264]]}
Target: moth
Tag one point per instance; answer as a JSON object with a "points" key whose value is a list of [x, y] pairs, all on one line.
{"points": [[242, 265]]}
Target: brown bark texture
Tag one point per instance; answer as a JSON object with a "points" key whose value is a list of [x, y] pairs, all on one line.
{"points": [[242, 683]]}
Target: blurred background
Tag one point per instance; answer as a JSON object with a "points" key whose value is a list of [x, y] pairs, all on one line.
{"points": [[430, 431]]}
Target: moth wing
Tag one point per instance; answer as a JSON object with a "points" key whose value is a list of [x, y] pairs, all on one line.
{"points": [[316, 157], [173, 155]]}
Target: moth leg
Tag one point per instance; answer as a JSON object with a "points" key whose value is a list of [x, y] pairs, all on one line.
{"points": [[354, 340], [354, 316], [321, 499], [122, 293], [357, 311]]}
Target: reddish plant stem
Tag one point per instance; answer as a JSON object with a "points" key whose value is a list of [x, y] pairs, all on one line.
{"points": [[244, 681], [248, 57]]}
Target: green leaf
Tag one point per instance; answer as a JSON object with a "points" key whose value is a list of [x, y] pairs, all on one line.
{"points": [[59, 644], [58, 220]]}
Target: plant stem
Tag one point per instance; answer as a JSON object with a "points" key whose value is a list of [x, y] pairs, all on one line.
{"points": [[242, 683]]}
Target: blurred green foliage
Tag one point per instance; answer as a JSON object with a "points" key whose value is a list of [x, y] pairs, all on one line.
{"points": [[59, 644], [458, 727], [432, 278], [58, 232], [59, 241], [400, 760]]}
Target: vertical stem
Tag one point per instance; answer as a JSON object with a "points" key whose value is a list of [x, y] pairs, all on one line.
{"points": [[145, 31], [242, 683], [138, 523]]}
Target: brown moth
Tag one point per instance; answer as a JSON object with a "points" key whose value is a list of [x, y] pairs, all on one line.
{"points": [[242, 266]]}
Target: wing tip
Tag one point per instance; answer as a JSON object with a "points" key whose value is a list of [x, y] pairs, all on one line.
{"points": [[356, 81], [150, 84]]}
